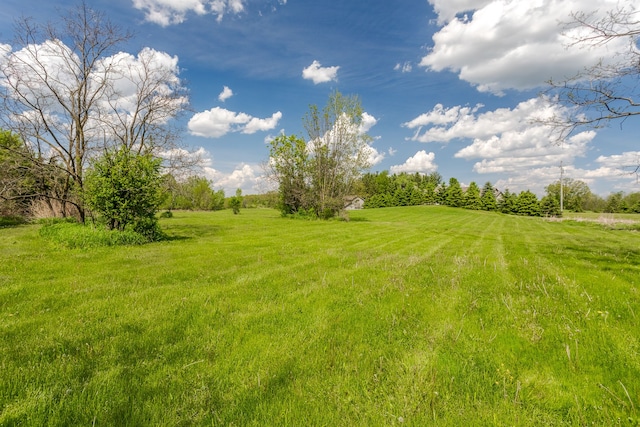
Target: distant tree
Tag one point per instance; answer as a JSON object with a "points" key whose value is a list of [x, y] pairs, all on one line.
{"points": [[550, 206], [594, 203], [429, 193], [508, 202], [235, 202], [123, 190], [318, 175], [575, 194], [339, 151], [472, 197], [192, 193], [615, 203], [454, 194], [527, 204], [288, 167], [441, 193], [488, 198]]}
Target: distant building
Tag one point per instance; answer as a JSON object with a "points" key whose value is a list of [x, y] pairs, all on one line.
{"points": [[353, 203]]}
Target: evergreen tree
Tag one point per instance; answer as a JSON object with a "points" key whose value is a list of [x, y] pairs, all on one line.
{"points": [[550, 206], [488, 199], [508, 202], [472, 197], [454, 194], [441, 194], [527, 204]]}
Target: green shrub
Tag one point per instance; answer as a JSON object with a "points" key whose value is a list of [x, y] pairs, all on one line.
{"points": [[11, 221], [73, 235]]}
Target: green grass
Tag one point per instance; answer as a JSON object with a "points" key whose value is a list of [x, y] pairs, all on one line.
{"points": [[413, 316]]}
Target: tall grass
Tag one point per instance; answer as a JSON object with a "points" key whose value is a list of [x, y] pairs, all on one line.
{"points": [[416, 316]]}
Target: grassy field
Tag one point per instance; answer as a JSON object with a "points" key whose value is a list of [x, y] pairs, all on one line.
{"points": [[402, 316]]}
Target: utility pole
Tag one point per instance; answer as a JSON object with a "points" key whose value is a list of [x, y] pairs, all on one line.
{"points": [[561, 185]]}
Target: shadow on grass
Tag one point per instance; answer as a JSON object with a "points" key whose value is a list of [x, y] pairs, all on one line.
{"points": [[11, 221], [190, 232], [359, 219]]}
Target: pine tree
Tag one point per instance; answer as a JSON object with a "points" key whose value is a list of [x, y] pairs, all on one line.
{"points": [[528, 204], [454, 194], [508, 202], [488, 198], [472, 197]]}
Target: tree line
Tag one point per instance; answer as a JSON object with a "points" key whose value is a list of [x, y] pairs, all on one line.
{"points": [[382, 189]]}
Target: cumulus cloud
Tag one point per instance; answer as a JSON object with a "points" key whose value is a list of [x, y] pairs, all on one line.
{"points": [[368, 121], [217, 122], [374, 156], [246, 177], [508, 141], [509, 44], [319, 74], [256, 124], [171, 12], [464, 122], [422, 162], [225, 94], [44, 75]]}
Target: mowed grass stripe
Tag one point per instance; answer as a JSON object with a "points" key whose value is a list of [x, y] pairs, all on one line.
{"points": [[426, 315]]}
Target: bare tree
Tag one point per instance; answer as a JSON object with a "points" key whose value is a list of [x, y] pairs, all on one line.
{"points": [[70, 93], [607, 90]]}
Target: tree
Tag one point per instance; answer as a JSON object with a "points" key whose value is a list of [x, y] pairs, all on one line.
{"points": [[454, 195], [235, 202], [472, 197], [113, 191], [607, 90], [16, 180], [318, 174], [615, 203], [575, 194], [338, 151], [488, 198], [193, 193], [508, 202], [550, 206], [288, 167], [70, 93], [527, 204]]}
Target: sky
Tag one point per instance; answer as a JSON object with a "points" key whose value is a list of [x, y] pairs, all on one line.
{"points": [[448, 86]]}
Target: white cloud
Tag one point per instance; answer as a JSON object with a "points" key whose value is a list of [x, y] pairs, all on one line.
{"points": [[225, 94], [422, 162], [510, 142], [374, 156], [244, 176], [368, 121], [446, 124], [170, 12], [45, 72], [256, 124], [319, 74], [406, 67], [217, 122], [509, 44]]}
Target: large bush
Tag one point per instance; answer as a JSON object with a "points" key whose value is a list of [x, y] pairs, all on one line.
{"points": [[123, 191]]}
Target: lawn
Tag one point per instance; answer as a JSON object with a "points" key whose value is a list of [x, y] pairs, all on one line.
{"points": [[401, 316]]}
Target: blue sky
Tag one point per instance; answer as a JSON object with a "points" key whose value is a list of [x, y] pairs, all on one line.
{"points": [[448, 85]]}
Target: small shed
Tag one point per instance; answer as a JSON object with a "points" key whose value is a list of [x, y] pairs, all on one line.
{"points": [[353, 203]]}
